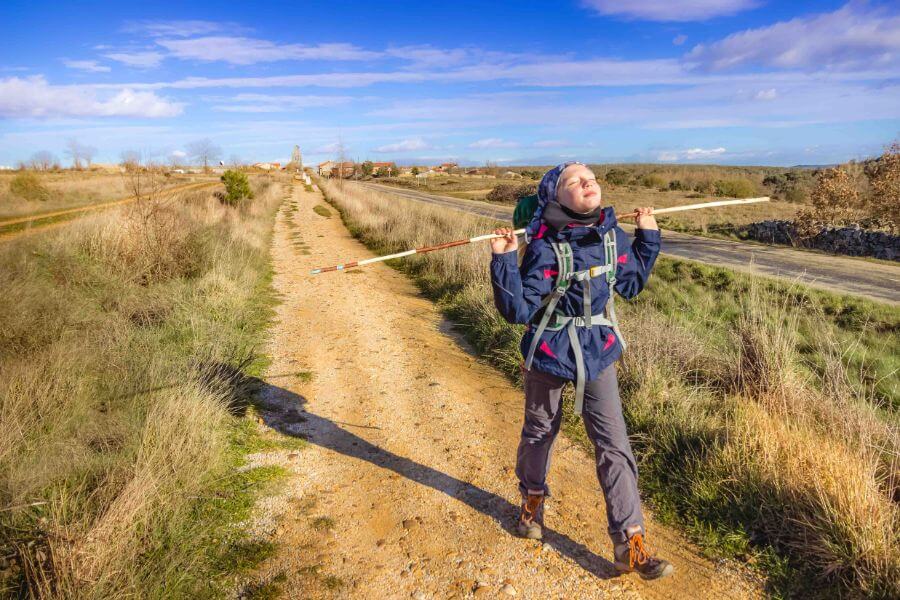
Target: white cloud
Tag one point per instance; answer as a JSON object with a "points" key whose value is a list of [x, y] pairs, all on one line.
{"points": [[91, 66], [852, 37], [176, 28], [179, 154], [407, 145], [493, 143], [329, 148], [769, 94], [549, 144], [248, 51], [690, 154], [667, 10], [34, 97], [265, 103], [679, 39], [140, 60]]}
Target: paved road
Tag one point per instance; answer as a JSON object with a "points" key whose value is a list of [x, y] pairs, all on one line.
{"points": [[869, 279]]}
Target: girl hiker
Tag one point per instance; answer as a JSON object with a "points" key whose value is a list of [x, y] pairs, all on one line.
{"points": [[563, 290]]}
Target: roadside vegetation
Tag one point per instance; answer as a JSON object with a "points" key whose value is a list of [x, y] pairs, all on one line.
{"points": [[864, 194], [128, 356], [764, 414]]}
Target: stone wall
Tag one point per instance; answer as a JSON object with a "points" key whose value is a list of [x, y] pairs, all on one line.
{"points": [[852, 241]]}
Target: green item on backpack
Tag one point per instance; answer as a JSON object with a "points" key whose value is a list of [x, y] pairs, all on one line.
{"points": [[524, 211]]}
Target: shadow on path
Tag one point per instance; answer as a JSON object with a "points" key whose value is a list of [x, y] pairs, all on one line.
{"points": [[285, 412]]}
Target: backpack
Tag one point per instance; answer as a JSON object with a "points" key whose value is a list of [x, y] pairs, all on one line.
{"points": [[552, 319]]}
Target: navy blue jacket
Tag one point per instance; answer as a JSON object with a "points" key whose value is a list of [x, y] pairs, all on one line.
{"points": [[518, 291]]}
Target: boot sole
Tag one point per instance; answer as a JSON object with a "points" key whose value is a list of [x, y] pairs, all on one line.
{"points": [[623, 569], [530, 533]]}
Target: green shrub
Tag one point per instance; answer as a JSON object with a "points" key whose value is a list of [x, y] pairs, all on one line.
{"points": [[735, 188], [28, 187], [237, 187], [653, 181], [617, 176]]}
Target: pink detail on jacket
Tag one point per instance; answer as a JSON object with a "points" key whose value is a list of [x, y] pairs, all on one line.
{"points": [[548, 273], [609, 341], [547, 349], [623, 259], [541, 231]]}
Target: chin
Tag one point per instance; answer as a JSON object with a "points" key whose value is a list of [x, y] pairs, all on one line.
{"points": [[591, 203]]}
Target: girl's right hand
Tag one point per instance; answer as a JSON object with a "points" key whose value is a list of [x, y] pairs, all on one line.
{"points": [[507, 243]]}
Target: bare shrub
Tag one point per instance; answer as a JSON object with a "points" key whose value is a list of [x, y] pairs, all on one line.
{"points": [[510, 194], [884, 175]]}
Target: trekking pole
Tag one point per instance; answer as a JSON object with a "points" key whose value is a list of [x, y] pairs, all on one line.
{"points": [[422, 250], [659, 211], [491, 236]]}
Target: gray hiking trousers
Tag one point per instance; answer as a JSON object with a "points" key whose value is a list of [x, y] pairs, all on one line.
{"points": [[605, 425]]}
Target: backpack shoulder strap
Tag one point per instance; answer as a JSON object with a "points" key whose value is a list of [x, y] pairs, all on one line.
{"points": [[564, 264]]}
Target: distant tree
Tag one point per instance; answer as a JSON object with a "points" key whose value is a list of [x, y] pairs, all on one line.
{"points": [[204, 151], [79, 152], [43, 160], [235, 161], [130, 160], [367, 168], [415, 171]]}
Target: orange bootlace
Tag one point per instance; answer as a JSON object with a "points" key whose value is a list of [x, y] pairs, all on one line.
{"points": [[532, 504], [637, 553]]}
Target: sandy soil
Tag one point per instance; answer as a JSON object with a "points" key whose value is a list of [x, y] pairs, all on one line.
{"points": [[407, 488]]}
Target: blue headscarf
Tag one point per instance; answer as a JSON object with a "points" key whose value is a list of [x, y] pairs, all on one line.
{"points": [[546, 194]]}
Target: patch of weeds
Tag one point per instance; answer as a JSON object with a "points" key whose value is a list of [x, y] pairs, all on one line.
{"points": [[305, 376], [268, 590], [322, 211], [332, 582], [323, 523]]}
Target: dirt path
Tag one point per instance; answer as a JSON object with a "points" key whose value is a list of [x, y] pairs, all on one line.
{"points": [[876, 280], [407, 488]]}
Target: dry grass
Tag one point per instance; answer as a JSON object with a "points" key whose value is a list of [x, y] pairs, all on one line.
{"points": [[119, 337], [68, 190], [741, 437], [625, 198]]}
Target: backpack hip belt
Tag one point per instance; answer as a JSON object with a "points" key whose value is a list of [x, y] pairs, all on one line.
{"points": [[553, 320]]}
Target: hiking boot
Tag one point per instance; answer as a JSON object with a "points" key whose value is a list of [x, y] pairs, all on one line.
{"points": [[632, 556], [531, 517]]}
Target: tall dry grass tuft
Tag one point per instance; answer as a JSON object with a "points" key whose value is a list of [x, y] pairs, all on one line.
{"points": [[736, 430], [112, 420]]}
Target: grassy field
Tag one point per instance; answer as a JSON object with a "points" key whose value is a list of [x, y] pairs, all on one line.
{"points": [[70, 189], [128, 347], [624, 198], [764, 415]]}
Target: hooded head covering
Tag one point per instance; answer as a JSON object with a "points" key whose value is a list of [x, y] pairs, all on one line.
{"points": [[546, 194]]}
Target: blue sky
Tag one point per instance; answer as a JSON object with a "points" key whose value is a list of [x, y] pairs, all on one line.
{"points": [[701, 81]]}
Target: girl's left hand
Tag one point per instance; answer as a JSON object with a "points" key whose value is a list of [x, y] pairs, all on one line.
{"points": [[645, 218]]}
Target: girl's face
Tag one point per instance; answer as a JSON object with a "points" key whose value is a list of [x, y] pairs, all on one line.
{"points": [[578, 189]]}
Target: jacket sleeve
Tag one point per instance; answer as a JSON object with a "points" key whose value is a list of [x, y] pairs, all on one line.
{"points": [[635, 260], [518, 291]]}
